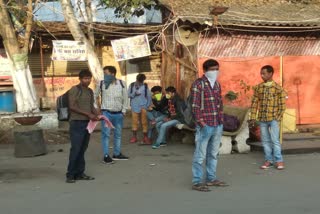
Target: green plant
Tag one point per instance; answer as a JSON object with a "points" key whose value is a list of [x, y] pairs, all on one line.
{"points": [[231, 96]]}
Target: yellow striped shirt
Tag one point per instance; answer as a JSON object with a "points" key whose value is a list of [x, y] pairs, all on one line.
{"points": [[268, 102]]}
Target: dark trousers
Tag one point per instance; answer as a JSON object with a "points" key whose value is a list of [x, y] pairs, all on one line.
{"points": [[79, 137]]}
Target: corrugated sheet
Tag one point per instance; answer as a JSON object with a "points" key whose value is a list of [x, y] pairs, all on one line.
{"points": [[256, 13], [257, 46]]}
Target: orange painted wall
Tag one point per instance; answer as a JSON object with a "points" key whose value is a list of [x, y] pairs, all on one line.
{"points": [[302, 82], [303, 68]]}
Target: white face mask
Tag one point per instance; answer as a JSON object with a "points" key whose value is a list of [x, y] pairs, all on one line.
{"points": [[212, 76]]}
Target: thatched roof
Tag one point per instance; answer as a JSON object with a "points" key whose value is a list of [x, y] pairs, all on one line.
{"points": [[294, 13]]}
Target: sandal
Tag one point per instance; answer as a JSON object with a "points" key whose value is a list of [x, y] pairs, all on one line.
{"points": [[201, 188], [217, 183], [84, 177]]}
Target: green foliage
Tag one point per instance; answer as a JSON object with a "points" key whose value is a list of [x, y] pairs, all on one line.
{"points": [[127, 8], [230, 95]]}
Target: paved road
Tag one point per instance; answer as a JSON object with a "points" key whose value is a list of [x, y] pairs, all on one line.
{"points": [[155, 181]]}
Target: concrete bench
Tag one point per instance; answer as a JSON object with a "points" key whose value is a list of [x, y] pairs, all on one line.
{"points": [[230, 140]]}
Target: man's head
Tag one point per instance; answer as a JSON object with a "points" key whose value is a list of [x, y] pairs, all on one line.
{"points": [[111, 70], [210, 65], [85, 77], [141, 78], [267, 73], [156, 92], [156, 89], [170, 92]]}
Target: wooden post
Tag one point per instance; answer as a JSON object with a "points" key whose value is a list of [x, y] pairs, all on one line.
{"points": [[281, 83]]}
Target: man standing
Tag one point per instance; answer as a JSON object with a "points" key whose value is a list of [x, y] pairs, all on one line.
{"points": [[268, 106], [81, 111], [207, 109], [140, 102], [114, 102]]}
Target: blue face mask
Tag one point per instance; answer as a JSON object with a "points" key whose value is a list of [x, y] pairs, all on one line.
{"points": [[108, 79]]}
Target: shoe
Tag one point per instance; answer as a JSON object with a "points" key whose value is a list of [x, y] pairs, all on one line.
{"points": [[133, 140], [84, 177], [163, 144], [120, 157], [70, 180], [155, 146], [146, 141], [279, 165], [107, 160], [266, 165]]}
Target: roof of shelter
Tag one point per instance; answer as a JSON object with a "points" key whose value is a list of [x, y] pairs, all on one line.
{"points": [[107, 31], [246, 13]]}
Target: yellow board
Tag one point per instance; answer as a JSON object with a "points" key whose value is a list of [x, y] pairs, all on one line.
{"points": [[289, 121]]}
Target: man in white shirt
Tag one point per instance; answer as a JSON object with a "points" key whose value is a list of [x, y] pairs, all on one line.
{"points": [[114, 103]]}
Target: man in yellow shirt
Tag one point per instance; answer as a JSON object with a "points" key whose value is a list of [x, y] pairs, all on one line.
{"points": [[267, 107]]}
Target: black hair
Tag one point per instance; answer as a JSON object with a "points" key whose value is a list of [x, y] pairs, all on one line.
{"points": [[268, 68], [111, 69], [171, 89], [141, 77], [209, 63], [85, 73], [156, 88]]}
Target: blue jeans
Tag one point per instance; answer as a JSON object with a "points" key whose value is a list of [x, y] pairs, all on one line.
{"points": [[154, 115], [117, 121], [162, 129], [208, 139], [270, 138], [79, 137]]}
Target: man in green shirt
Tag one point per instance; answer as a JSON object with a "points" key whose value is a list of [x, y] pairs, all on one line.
{"points": [[81, 111]]}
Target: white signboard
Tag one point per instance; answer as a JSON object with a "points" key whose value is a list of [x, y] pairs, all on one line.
{"points": [[65, 50], [4, 65], [130, 48]]}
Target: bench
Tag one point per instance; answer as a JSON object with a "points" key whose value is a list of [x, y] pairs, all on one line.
{"points": [[230, 141]]}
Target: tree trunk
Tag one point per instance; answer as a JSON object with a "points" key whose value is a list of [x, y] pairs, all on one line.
{"points": [[78, 35], [22, 79]]}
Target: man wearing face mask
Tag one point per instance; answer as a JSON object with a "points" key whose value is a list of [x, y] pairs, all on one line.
{"points": [[158, 110], [175, 116], [207, 109], [114, 102]]}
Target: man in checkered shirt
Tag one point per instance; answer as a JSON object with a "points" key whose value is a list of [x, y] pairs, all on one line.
{"points": [[207, 109], [267, 107]]}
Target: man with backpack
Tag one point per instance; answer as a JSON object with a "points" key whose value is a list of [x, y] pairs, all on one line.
{"points": [[140, 102], [114, 103], [81, 110], [207, 109]]}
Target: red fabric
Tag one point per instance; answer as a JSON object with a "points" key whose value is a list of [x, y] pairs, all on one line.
{"points": [[92, 124]]}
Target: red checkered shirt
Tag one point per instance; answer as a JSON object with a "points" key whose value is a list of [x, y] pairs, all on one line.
{"points": [[212, 113]]}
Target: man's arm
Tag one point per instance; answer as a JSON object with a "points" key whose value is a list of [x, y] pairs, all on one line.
{"points": [[196, 103], [125, 99], [282, 104]]}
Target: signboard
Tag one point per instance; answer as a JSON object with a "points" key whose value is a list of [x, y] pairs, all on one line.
{"points": [[65, 50], [4, 65], [130, 48]]}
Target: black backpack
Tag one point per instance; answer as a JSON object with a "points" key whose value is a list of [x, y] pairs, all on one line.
{"points": [[187, 112], [62, 104]]}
